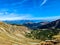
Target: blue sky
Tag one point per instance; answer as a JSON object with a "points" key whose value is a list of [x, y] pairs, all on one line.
{"points": [[29, 9]]}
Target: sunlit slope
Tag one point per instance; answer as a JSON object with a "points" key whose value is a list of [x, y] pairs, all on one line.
{"points": [[15, 35]]}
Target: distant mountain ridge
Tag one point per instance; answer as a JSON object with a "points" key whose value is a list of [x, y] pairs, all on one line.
{"points": [[37, 24], [34, 26], [44, 25], [20, 21], [53, 24], [23, 21]]}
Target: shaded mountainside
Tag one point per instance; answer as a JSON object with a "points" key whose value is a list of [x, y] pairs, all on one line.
{"points": [[53, 24], [43, 25], [34, 25]]}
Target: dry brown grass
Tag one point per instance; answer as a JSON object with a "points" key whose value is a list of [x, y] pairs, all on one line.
{"points": [[15, 35]]}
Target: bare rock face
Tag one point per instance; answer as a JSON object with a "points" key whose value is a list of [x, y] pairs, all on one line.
{"points": [[46, 43], [50, 42]]}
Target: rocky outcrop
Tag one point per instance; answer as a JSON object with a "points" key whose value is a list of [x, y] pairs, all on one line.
{"points": [[49, 42]]}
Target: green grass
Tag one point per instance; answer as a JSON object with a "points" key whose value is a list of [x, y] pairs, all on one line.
{"points": [[42, 34]]}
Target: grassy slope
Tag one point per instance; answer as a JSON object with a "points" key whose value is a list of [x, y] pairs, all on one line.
{"points": [[14, 35]]}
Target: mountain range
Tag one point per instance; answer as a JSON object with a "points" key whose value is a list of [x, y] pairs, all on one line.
{"points": [[53, 25], [32, 24], [23, 21], [36, 24], [44, 25]]}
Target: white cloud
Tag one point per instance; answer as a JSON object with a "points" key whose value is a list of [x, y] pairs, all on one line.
{"points": [[44, 1], [13, 16], [5, 15], [48, 18]]}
